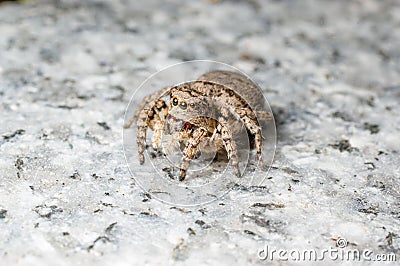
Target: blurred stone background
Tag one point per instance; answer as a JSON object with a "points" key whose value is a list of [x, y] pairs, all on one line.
{"points": [[330, 70]]}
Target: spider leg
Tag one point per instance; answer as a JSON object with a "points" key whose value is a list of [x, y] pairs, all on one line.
{"points": [[142, 123], [236, 105], [148, 100], [229, 143], [249, 119], [157, 124], [222, 131], [246, 115], [190, 150], [150, 114], [213, 135]]}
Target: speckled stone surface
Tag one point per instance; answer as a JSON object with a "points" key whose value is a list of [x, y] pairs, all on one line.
{"points": [[330, 70]]}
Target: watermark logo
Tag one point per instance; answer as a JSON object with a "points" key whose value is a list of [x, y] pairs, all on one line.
{"points": [[341, 243], [339, 253]]}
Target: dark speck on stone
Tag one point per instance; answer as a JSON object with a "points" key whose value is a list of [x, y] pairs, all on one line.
{"points": [[373, 128], [191, 232], [257, 218], [49, 55], [342, 115], [249, 232], [75, 175], [343, 145], [9, 136], [19, 163], [269, 205], [3, 213], [96, 176], [104, 125], [202, 224]]}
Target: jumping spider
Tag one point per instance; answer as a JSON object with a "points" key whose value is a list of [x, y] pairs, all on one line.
{"points": [[206, 110]]}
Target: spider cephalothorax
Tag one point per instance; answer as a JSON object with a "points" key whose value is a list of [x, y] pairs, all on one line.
{"points": [[209, 109]]}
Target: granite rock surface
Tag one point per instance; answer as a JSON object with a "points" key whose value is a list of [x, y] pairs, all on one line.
{"points": [[331, 73]]}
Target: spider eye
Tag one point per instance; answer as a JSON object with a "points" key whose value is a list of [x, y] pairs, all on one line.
{"points": [[175, 101], [191, 105], [183, 105]]}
